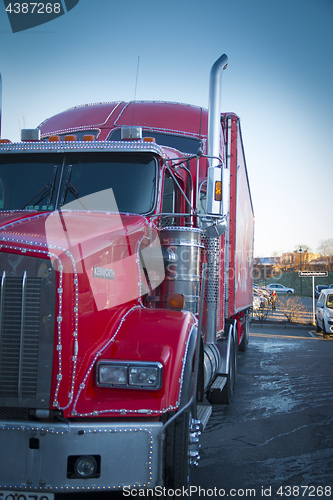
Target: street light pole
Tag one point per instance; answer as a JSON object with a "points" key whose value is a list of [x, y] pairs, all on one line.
{"points": [[300, 263]]}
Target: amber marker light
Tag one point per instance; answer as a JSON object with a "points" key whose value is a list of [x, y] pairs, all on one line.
{"points": [[149, 139], [54, 138], [218, 191], [176, 301], [70, 137], [88, 137], [5, 141]]}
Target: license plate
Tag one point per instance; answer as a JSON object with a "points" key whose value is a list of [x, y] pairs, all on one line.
{"points": [[20, 495]]}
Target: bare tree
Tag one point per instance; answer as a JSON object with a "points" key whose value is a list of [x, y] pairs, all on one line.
{"points": [[326, 250], [293, 309]]}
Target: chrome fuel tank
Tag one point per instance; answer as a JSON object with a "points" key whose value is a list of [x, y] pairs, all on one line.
{"points": [[181, 248]]}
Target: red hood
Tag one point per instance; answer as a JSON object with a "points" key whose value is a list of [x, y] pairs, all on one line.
{"points": [[102, 246]]}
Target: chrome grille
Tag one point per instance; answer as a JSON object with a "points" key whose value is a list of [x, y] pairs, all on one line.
{"points": [[20, 304], [26, 332]]}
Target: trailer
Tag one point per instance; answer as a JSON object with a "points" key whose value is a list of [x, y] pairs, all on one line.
{"points": [[126, 233]]}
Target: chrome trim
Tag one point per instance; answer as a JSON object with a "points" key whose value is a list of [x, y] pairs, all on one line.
{"points": [[26, 342]]}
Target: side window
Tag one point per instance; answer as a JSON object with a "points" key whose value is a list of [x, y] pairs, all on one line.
{"points": [[2, 195], [171, 201], [321, 298], [169, 196]]}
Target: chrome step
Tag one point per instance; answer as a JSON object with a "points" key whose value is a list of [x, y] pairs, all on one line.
{"points": [[219, 383], [204, 412]]}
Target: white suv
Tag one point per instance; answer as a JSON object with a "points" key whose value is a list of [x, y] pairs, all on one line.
{"points": [[324, 312]]}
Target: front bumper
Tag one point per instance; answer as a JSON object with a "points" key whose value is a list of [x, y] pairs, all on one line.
{"points": [[34, 456]]}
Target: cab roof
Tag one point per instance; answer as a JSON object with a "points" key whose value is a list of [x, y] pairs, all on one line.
{"points": [[103, 118]]}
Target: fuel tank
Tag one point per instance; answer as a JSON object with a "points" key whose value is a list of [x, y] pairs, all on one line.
{"points": [[181, 249]]}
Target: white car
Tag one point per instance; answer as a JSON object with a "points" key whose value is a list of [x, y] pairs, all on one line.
{"points": [[324, 312], [260, 298], [279, 288]]}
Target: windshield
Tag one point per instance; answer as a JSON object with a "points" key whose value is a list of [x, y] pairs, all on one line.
{"points": [[329, 302], [50, 181], [27, 182]]}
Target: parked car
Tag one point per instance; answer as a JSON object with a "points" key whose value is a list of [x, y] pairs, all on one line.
{"points": [[318, 289], [324, 312], [260, 298], [279, 288], [256, 303]]}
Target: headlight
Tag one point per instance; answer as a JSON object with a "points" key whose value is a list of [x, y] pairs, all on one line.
{"points": [[112, 374], [129, 375]]}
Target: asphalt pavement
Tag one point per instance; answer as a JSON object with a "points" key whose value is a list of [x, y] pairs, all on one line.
{"points": [[275, 439]]}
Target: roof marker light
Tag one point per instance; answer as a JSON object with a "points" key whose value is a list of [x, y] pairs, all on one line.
{"points": [[70, 137], [149, 139], [89, 137], [5, 141], [30, 134], [54, 138], [131, 133]]}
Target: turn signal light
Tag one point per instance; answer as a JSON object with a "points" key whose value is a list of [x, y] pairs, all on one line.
{"points": [[176, 301], [218, 191]]}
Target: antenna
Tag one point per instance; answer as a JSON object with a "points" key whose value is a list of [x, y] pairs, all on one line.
{"points": [[136, 86]]}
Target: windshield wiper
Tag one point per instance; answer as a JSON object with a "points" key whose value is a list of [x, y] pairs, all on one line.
{"points": [[47, 189], [70, 188]]}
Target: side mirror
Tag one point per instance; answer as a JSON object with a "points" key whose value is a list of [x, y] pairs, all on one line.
{"points": [[214, 229], [320, 304]]}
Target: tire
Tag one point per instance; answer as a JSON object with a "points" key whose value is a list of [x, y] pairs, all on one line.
{"points": [[228, 389], [176, 453], [245, 340], [325, 334]]}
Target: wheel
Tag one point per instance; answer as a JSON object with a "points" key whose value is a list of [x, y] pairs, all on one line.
{"points": [[176, 452], [325, 334], [228, 389], [246, 333]]}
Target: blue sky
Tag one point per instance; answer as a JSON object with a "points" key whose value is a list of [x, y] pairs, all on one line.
{"points": [[279, 82]]}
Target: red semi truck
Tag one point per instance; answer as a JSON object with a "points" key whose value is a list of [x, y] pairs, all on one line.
{"points": [[126, 281]]}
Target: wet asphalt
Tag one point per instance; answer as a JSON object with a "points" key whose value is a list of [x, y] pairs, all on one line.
{"points": [[275, 440]]}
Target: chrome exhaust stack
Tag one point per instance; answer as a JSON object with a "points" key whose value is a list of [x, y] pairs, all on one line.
{"points": [[215, 203], [215, 185]]}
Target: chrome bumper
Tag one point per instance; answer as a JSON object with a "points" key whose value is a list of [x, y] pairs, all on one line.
{"points": [[34, 456]]}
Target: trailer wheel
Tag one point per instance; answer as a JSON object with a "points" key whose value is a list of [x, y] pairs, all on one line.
{"points": [[228, 389], [176, 452], [246, 334]]}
